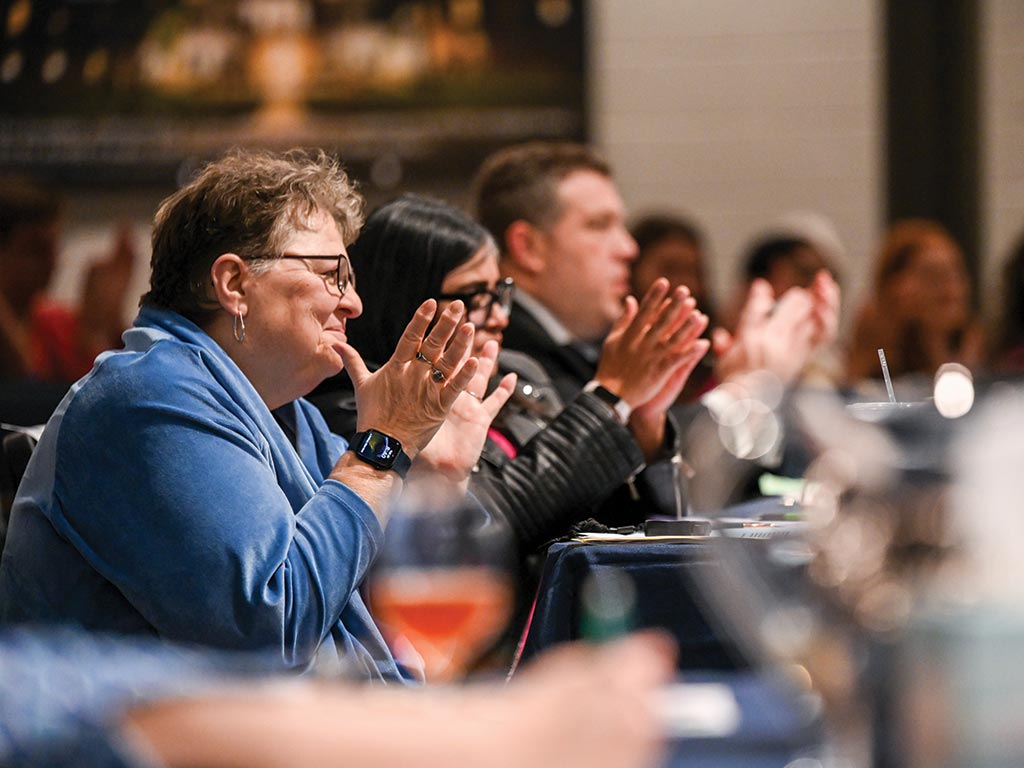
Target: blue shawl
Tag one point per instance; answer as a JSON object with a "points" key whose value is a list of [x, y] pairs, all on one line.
{"points": [[164, 497]]}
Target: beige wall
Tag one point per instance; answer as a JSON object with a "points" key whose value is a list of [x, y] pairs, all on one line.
{"points": [[737, 112], [1002, 137]]}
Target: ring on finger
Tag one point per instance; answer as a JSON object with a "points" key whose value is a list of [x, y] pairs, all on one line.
{"points": [[424, 359], [474, 395], [437, 374]]}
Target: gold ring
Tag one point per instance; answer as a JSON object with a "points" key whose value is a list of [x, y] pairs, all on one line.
{"points": [[473, 394]]}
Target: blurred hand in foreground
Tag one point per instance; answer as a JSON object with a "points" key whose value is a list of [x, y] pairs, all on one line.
{"points": [[579, 705]]}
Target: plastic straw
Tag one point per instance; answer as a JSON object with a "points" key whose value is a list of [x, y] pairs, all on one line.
{"points": [[885, 374]]}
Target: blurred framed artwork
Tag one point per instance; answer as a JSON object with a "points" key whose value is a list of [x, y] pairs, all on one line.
{"points": [[107, 91]]}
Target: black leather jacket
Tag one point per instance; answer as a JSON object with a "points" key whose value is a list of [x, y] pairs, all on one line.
{"points": [[571, 463]]}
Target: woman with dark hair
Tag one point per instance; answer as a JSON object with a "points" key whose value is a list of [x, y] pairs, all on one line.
{"points": [[543, 467], [920, 311]]}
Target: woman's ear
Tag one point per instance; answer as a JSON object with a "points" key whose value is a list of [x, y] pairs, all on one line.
{"points": [[228, 273]]}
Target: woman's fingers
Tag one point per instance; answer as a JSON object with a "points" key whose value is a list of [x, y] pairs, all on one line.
{"points": [[685, 335], [437, 341], [757, 307], [354, 365], [495, 401], [488, 358], [409, 344], [458, 383], [672, 316], [456, 352], [486, 362]]}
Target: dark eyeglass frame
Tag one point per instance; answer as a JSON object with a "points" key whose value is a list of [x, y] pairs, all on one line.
{"points": [[341, 284], [502, 295]]}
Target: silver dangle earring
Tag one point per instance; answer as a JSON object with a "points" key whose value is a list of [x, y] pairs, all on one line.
{"points": [[238, 327]]}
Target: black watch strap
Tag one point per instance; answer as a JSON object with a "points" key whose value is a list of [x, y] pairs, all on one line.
{"points": [[619, 406], [382, 451]]}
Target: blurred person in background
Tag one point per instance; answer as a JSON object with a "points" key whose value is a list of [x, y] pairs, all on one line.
{"points": [[40, 339], [184, 488], [787, 261], [919, 310], [560, 227], [68, 698], [673, 247], [559, 223], [783, 260]]}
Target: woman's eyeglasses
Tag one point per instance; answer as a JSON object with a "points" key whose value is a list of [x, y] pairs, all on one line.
{"points": [[481, 303], [342, 277]]}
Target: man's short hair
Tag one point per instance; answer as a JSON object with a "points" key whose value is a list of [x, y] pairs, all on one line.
{"points": [[521, 183]]}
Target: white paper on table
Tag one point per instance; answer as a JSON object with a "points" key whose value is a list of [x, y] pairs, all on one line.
{"points": [[698, 710], [636, 536]]}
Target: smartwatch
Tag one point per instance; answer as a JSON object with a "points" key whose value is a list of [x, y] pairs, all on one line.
{"points": [[381, 451], [620, 407]]}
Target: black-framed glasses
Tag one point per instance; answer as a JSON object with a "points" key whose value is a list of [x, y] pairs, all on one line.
{"points": [[344, 276], [482, 302]]}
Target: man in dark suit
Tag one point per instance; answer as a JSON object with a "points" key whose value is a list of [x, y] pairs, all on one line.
{"points": [[560, 225]]}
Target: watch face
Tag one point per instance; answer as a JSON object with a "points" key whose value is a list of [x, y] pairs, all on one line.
{"points": [[380, 448]]}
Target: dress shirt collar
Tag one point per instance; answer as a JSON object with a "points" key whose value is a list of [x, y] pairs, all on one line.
{"points": [[545, 319]]}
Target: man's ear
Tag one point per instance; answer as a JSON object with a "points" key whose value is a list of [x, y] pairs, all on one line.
{"points": [[228, 273], [525, 246]]}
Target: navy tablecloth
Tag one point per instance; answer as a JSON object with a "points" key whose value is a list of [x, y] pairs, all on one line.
{"points": [[668, 596], [777, 725]]}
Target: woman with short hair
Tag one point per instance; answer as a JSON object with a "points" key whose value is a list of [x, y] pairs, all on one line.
{"points": [[183, 488]]}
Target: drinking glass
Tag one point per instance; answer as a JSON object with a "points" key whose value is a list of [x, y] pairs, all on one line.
{"points": [[444, 583]]}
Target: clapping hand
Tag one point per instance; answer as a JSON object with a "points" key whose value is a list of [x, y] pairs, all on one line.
{"points": [[648, 356], [456, 447], [410, 395], [650, 343], [779, 336]]}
